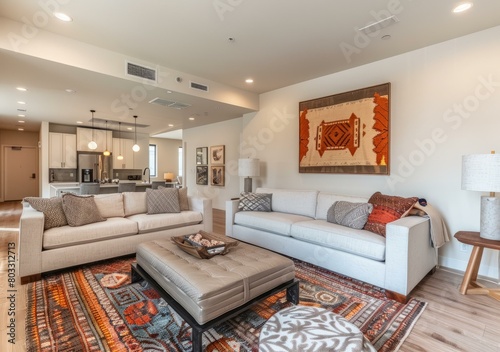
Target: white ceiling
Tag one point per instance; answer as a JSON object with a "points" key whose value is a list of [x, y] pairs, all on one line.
{"points": [[277, 43]]}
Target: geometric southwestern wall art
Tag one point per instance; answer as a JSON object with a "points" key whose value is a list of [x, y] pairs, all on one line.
{"points": [[346, 133]]}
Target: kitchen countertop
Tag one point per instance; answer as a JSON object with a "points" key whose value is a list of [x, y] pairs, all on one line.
{"points": [[57, 188]]}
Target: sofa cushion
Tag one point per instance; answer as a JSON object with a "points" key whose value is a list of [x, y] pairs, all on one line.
{"points": [[52, 210], [157, 222], [80, 210], [134, 203], [255, 201], [300, 202], [360, 242], [275, 222], [183, 198], [69, 236], [387, 209], [325, 201], [162, 200], [353, 215], [110, 205]]}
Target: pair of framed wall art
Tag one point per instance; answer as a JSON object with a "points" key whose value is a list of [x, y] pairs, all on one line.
{"points": [[215, 171]]}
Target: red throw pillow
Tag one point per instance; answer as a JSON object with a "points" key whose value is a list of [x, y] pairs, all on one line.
{"points": [[387, 209]]}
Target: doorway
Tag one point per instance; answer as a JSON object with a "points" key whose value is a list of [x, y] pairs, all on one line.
{"points": [[20, 172]]}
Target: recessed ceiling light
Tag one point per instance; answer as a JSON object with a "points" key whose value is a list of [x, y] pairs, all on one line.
{"points": [[249, 80], [462, 7], [129, 128], [70, 91], [386, 37], [21, 115], [63, 17], [21, 121], [79, 122], [170, 125], [21, 102], [22, 89], [191, 118], [20, 129]]}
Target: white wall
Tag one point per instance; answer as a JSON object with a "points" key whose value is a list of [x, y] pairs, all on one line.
{"points": [[222, 133], [445, 103]]}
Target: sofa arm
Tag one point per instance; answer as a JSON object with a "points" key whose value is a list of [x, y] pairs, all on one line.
{"points": [[30, 242], [231, 210], [204, 206], [409, 253]]}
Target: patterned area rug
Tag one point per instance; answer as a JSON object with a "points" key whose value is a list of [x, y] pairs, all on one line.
{"points": [[73, 311]]}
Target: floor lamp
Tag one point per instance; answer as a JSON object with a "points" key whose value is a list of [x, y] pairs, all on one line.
{"points": [[248, 168], [481, 172]]}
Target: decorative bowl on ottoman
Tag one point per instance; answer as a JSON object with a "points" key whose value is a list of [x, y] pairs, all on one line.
{"points": [[204, 245]]}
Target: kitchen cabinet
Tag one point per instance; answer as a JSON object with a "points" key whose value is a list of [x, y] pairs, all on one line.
{"points": [[125, 146], [84, 136], [62, 150]]}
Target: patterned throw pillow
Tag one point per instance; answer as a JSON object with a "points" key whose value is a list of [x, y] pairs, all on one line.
{"points": [[255, 201], [52, 210], [162, 200], [183, 197], [80, 210], [387, 209], [353, 215]]}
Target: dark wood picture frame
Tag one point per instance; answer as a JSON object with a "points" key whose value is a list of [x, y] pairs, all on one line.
{"points": [[347, 133], [202, 156], [201, 175]]}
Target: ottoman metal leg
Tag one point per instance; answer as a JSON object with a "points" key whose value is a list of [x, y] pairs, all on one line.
{"points": [[292, 293]]}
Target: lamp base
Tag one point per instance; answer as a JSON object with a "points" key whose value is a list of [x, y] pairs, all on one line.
{"points": [[247, 187], [490, 218]]}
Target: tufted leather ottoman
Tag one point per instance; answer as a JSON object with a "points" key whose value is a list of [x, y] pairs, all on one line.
{"points": [[206, 292]]}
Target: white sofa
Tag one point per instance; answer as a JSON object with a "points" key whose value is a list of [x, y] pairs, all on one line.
{"points": [[127, 224], [297, 227]]}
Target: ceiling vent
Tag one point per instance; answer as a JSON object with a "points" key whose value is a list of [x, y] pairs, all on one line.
{"points": [[141, 71], [377, 26], [169, 103], [199, 86]]}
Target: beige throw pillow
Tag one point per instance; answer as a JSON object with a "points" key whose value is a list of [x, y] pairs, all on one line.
{"points": [[110, 205], [80, 210]]}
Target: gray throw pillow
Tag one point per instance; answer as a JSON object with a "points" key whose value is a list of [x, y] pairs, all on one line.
{"points": [[353, 215], [183, 197], [255, 201], [52, 210], [162, 200], [80, 210]]}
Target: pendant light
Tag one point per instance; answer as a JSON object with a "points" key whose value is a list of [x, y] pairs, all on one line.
{"points": [[120, 156], [106, 151], [92, 144], [135, 147]]}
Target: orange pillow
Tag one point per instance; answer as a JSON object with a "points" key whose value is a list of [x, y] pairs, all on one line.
{"points": [[387, 209]]}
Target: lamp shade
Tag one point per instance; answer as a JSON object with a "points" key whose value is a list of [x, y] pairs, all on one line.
{"points": [[481, 172], [169, 176], [248, 167]]}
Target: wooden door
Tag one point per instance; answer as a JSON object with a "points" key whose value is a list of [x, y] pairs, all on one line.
{"points": [[20, 173]]}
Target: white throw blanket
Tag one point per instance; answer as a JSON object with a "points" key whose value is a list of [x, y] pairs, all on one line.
{"points": [[439, 232]]}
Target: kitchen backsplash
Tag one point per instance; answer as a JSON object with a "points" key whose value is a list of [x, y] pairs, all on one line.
{"points": [[63, 175], [70, 175]]}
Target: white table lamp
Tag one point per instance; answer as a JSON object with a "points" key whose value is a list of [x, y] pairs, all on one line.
{"points": [[481, 172], [248, 168]]}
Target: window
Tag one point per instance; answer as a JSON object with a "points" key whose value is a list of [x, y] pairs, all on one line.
{"points": [[152, 159], [180, 162]]}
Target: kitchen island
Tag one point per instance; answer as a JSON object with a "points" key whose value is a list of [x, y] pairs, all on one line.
{"points": [[59, 188]]}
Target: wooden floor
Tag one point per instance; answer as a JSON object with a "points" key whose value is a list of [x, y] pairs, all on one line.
{"points": [[450, 322]]}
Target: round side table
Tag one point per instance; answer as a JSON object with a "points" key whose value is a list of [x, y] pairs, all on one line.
{"points": [[302, 328], [470, 286]]}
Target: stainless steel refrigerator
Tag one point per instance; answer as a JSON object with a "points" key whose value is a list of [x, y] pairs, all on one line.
{"points": [[94, 167]]}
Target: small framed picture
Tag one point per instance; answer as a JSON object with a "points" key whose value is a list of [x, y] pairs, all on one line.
{"points": [[202, 175], [202, 156], [217, 175], [217, 155]]}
